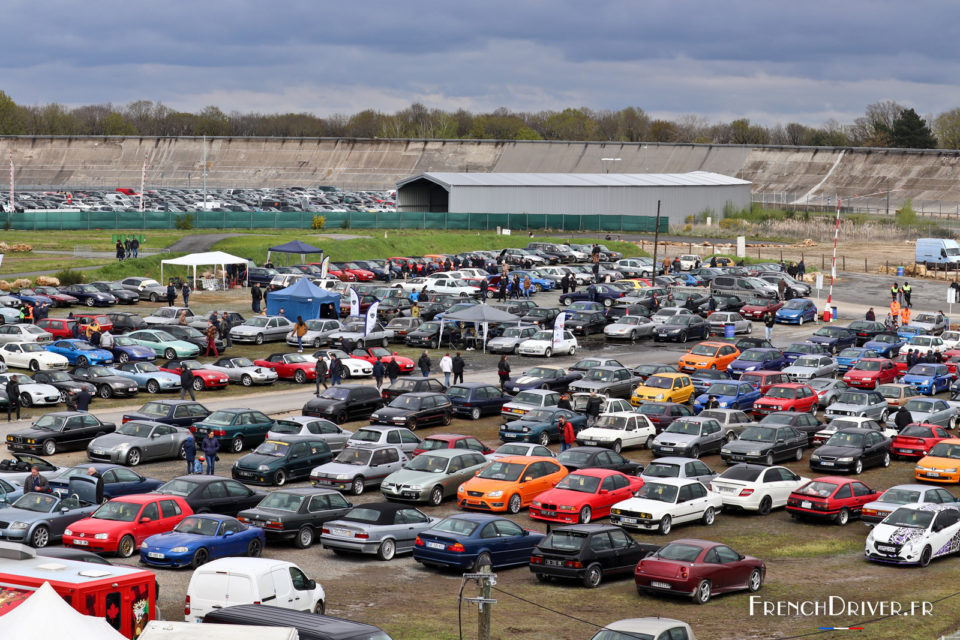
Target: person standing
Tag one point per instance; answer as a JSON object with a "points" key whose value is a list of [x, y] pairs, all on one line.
{"points": [[565, 283], [801, 269], [503, 371], [907, 291], [106, 340], [98, 492], [120, 252], [36, 483], [13, 397], [871, 315], [768, 321], [256, 295], [321, 374], [171, 294], [526, 287], [378, 371], [224, 327], [135, 246], [336, 370], [566, 429], [902, 419], [502, 290], [564, 403], [126, 248], [458, 367], [300, 330], [904, 316], [424, 364], [446, 367], [185, 292], [211, 333], [210, 446], [83, 399], [393, 371], [594, 405], [186, 382], [782, 288], [190, 452], [894, 290]]}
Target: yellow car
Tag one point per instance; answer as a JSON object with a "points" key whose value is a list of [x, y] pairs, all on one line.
{"points": [[942, 464], [663, 387], [636, 285]]}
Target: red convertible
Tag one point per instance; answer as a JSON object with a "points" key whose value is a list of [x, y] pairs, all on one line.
{"points": [[583, 496], [290, 366], [202, 378], [870, 372], [830, 497], [791, 396], [371, 354], [698, 569], [916, 440], [120, 525], [758, 308]]}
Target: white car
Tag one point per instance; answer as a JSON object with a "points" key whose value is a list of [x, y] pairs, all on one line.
{"points": [[850, 422], [630, 327], [752, 487], [659, 628], [669, 313], [243, 370], [30, 355], [520, 449], [352, 367], [32, 393], [924, 344], [24, 333], [688, 261], [915, 535], [410, 284], [618, 430], [812, 366], [542, 345], [452, 286], [660, 503], [718, 320], [578, 402], [951, 339]]}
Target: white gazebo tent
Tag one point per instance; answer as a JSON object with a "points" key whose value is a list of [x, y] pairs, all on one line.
{"points": [[216, 258], [46, 615]]}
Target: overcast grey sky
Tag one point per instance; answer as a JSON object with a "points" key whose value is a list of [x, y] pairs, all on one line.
{"points": [[765, 60]]}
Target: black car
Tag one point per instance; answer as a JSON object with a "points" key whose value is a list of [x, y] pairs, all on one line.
{"points": [[260, 275], [852, 450], [69, 388], [749, 343], [587, 552], [296, 514], [88, 295], [412, 384], [125, 321], [213, 494], [59, 431], [193, 336], [123, 296], [418, 409], [803, 422], [179, 413], [866, 330], [583, 323], [644, 371], [344, 403], [765, 444], [476, 399], [428, 334], [108, 384], [541, 317], [680, 328], [723, 303], [576, 458], [278, 460], [662, 414]]}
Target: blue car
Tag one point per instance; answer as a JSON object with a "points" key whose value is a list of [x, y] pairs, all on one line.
{"points": [[200, 538], [730, 395], [605, 294], [798, 349], [834, 339], [126, 350], [757, 360], [886, 344], [541, 426], [928, 379], [539, 283], [907, 332], [473, 540], [148, 376], [80, 352], [852, 355], [476, 399], [117, 480], [703, 378], [9, 492], [796, 311]]}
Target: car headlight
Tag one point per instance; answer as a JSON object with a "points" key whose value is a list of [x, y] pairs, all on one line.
{"points": [[928, 382], [179, 550], [814, 458], [660, 396], [263, 467], [953, 470], [536, 503], [495, 494], [725, 450], [19, 526], [845, 459], [460, 489], [101, 536], [144, 545], [566, 507], [343, 476], [526, 429], [753, 452], [724, 404], [415, 487]]}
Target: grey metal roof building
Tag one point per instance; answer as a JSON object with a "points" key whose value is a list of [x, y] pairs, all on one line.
{"points": [[681, 194]]}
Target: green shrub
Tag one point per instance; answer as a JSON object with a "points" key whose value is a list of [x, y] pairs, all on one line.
{"points": [[906, 216], [68, 276], [318, 221], [184, 222]]}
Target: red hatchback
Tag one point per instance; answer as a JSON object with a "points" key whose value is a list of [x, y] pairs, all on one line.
{"points": [[759, 308], [870, 372], [451, 441], [900, 362], [791, 396], [58, 327], [763, 380], [371, 354], [698, 569], [832, 498], [120, 525], [106, 324], [916, 439], [583, 496]]}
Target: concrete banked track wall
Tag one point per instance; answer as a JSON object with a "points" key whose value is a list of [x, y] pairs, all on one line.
{"points": [[106, 162]]}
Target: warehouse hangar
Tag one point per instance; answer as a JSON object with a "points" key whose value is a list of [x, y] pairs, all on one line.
{"points": [[619, 194]]}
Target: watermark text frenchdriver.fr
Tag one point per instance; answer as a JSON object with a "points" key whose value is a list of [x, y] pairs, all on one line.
{"points": [[839, 607]]}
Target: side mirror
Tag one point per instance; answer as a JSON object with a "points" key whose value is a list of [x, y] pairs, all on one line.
{"points": [[311, 584], [227, 534], [144, 520], [604, 492], [527, 479], [154, 435], [780, 440]]}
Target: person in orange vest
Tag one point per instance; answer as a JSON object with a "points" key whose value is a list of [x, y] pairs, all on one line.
{"points": [[28, 313], [905, 316], [895, 309]]}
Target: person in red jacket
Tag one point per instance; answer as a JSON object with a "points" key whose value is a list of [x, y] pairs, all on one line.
{"points": [[569, 437]]}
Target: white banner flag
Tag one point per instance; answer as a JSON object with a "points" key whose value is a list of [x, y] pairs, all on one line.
{"points": [[324, 267], [558, 329], [354, 302], [371, 318]]}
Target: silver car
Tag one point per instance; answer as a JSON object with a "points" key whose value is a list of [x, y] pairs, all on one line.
{"points": [[399, 437], [828, 389], [718, 321], [807, 367], [38, 519], [511, 339], [260, 329], [520, 449], [903, 494], [931, 323], [690, 437], [167, 315], [678, 467], [930, 411], [354, 330], [335, 436], [146, 288], [318, 333], [630, 327], [731, 420], [242, 370], [402, 326], [433, 475], [24, 333], [358, 466], [865, 404], [381, 528], [139, 441]]}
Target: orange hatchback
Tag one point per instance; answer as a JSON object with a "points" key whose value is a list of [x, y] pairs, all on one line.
{"points": [[510, 483], [709, 355]]}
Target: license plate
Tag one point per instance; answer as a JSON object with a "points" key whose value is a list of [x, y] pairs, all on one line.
{"points": [[436, 545], [81, 543], [554, 563], [886, 549], [153, 554], [590, 443], [736, 457], [728, 490], [660, 585], [343, 533], [826, 464], [666, 448], [99, 452], [806, 504], [905, 450], [933, 474], [628, 520], [548, 513]]}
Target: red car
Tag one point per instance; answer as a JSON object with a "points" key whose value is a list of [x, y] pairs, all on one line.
{"points": [[791, 396], [900, 362], [698, 569], [583, 496], [120, 525], [344, 276], [371, 354], [759, 308], [106, 324], [763, 379], [362, 275], [952, 365], [830, 497], [202, 378], [916, 439], [290, 366], [451, 441], [870, 372], [58, 327], [59, 299]]}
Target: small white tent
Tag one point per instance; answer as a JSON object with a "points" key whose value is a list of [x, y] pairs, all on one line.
{"points": [[46, 615], [216, 258]]}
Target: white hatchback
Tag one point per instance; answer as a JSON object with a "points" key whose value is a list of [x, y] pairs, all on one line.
{"points": [[541, 344]]}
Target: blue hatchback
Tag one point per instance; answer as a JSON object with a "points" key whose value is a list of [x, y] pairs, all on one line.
{"points": [[797, 311], [473, 540], [117, 480], [199, 538], [852, 355], [928, 378], [476, 399], [757, 360], [730, 395]]}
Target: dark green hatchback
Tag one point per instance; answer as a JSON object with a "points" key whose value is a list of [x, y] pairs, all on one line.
{"points": [[278, 460], [235, 428]]}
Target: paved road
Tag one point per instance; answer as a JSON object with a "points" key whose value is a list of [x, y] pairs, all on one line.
{"points": [[199, 242]]}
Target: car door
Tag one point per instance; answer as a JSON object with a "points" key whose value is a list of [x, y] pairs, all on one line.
{"points": [[122, 482], [149, 522], [163, 442], [408, 523], [213, 499], [513, 541], [686, 508]]}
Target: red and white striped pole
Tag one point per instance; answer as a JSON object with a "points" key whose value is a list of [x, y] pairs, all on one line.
{"points": [[833, 264], [143, 180]]}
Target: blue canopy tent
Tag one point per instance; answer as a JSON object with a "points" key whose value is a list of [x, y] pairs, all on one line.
{"points": [[304, 299], [295, 246]]}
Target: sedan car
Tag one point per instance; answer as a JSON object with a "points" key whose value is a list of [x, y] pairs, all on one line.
{"points": [[318, 333], [758, 308], [807, 367], [916, 440], [139, 441], [181, 413], [260, 329], [509, 341], [541, 425], [32, 356], [912, 495], [335, 436], [344, 403], [381, 528], [866, 404], [834, 339], [432, 476], [869, 373], [765, 445], [618, 430], [798, 349], [796, 311], [588, 553], [39, 519], [278, 460], [617, 382], [243, 370], [108, 383], [751, 487], [681, 328], [418, 409], [542, 344], [791, 396], [235, 429], [699, 569], [579, 458], [200, 538], [729, 395], [661, 502], [164, 344], [475, 541], [24, 333], [203, 378], [80, 352], [662, 414], [212, 494], [123, 296], [89, 295], [146, 288], [296, 514], [541, 378], [886, 344], [584, 496], [852, 450], [510, 483], [830, 498], [122, 524], [690, 437], [928, 410], [528, 401], [59, 431]]}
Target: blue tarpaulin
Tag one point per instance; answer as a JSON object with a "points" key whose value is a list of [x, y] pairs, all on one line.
{"points": [[303, 299]]}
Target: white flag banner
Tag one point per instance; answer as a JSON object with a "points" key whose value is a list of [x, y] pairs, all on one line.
{"points": [[558, 330], [354, 302], [371, 318], [324, 267]]}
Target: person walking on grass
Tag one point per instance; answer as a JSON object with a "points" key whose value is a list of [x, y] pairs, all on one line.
{"points": [[300, 330], [171, 294], [321, 374], [503, 371], [211, 339], [378, 371], [256, 296], [458, 366], [210, 446], [446, 367], [424, 363], [393, 371], [186, 382]]}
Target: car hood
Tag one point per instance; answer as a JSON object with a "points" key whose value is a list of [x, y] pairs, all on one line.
{"points": [[518, 425], [111, 380], [325, 403], [337, 468], [885, 506], [597, 433], [680, 438], [487, 485], [897, 535], [643, 505], [843, 406], [393, 412], [245, 328], [831, 450], [564, 497], [254, 460], [136, 349], [505, 341], [171, 539], [822, 339], [797, 369], [741, 446], [11, 514], [590, 384], [408, 476], [117, 440]]}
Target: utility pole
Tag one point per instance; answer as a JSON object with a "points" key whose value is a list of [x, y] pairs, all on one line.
{"points": [[486, 580], [656, 238]]}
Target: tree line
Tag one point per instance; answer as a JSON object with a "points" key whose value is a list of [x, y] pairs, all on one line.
{"points": [[884, 124]]}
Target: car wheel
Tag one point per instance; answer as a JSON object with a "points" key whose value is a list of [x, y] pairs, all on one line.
{"points": [[436, 496], [123, 358], [357, 486], [320, 608], [617, 446], [280, 478], [516, 349], [300, 376], [200, 557], [702, 594], [666, 524], [133, 457], [433, 344], [768, 460], [154, 297], [41, 537], [387, 550], [755, 581], [341, 417], [695, 452], [682, 337], [514, 504], [925, 556], [544, 439], [765, 505], [548, 352], [709, 516], [153, 386], [198, 383], [63, 396], [304, 537], [255, 548], [91, 302], [749, 329], [565, 302], [475, 413], [259, 338], [412, 424], [25, 400], [542, 577], [843, 517], [105, 391], [592, 577], [246, 380], [883, 417], [886, 459], [483, 560], [858, 467], [801, 320], [34, 366], [126, 546], [649, 443], [447, 419], [82, 361], [586, 515], [182, 454], [799, 454], [573, 350]]}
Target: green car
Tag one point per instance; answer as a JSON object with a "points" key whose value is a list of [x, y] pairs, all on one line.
{"points": [[280, 459], [164, 344], [433, 475], [235, 428]]}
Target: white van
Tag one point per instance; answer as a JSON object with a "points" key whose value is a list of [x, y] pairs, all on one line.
{"points": [[938, 252], [231, 581]]}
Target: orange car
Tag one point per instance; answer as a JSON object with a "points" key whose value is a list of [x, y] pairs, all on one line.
{"points": [[942, 464], [709, 355], [510, 483]]}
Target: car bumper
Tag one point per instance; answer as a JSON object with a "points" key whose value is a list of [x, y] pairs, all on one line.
{"points": [[869, 383], [90, 544], [664, 585], [517, 436], [166, 559], [342, 485], [660, 450], [942, 477], [561, 517], [813, 513], [531, 352], [105, 455], [13, 535], [907, 452], [397, 493], [554, 571], [329, 542], [733, 458], [819, 465], [252, 477], [437, 557], [23, 447], [483, 504], [888, 559], [629, 522]]}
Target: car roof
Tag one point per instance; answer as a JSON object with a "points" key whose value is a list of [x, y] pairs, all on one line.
{"points": [[525, 459], [144, 498], [677, 482], [448, 437], [586, 528], [672, 460], [596, 473], [476, 517]]}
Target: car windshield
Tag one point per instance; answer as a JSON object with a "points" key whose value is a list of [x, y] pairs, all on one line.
{"points": [[528, 397], [744, 473], [886, 338], [602, 375], [543, 372], [37, 502], [924, 317], [565, 540], [916, 404], [687, 427], [539, 415], [241, 362], [282, 501], [792, 304], [849, 397], [850, 353], [759, 434], [910, 518], [456, 526], [157, 409], [350, 455], [287, 426], [257, 321], [406, 401], [722, 389], [658, 491], [659, 382], [273, 448], [135, 429], [220, 418], [580, 483], [868, 365], [781, 392], [59, 376], [752, 355], [178, 487], [917, 431], [945, 450], [900, 496], [84, 346], [817, 488], [704, 350], [616, 423], [662, 470], [335, 394], [923, 370], [807, 361], [513, 332], [829, 332], [509, 471], [539, 313], [845, 439], [431, 464], [198, 526], [50, 423], [543, 335], [116, 510], [679, 552], [362, 514]]}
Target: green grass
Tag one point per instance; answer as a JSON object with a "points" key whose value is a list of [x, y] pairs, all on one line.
{"points": [[23, 263], [783, 545], [96, 239]]}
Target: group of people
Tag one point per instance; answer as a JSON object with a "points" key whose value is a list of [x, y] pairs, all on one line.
{"points": [[127, 248], [794, 270], [901, 294], [172, 293]]}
